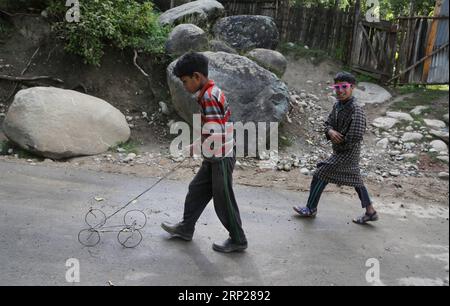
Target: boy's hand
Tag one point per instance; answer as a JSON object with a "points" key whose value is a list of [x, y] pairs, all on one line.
{"points": [[335, 136]]}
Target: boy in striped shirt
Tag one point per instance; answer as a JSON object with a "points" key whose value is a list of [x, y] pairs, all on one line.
{"points": [[214, 179]]}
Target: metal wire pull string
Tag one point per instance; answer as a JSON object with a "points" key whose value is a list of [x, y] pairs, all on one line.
{"points": [[147, 190]]}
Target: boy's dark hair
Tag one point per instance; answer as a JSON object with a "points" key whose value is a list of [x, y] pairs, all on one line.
{"points": [[345, 77], [190, 63]]}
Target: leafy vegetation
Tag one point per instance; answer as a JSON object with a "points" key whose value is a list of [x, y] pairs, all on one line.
{"points": [[119, 23], [389, 9], [6, 145], [127, 147]]}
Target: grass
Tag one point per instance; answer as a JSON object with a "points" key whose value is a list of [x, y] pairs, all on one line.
{"points": [[5, 29], [285, 141], [434, 158], [21, 153], [407, 89], [299, 51], [432, 97], [129, 147], [4, 147]]}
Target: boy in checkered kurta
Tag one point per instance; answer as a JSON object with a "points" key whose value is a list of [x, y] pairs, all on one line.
{"points": [[345, 128]]}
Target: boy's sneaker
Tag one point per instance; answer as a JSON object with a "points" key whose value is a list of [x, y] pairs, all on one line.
{"points": [[176, 230], [229, 246], [305, 212]]}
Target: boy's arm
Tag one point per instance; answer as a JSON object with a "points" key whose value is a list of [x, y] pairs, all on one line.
{"points": [[327, 125]]}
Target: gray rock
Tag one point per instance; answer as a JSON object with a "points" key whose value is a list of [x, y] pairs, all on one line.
{"points": [[445, 118], [443, 176], [409, 145], [200, 12], [440, 134], [393, 139], [220, 46], [394, 153], [434, 124], [394, 173], [412, 137], [164, 108], [384, 123], [247, 32], [409, 156], [400, 116], [418, 110], [305, 171], [185, 38], [439, 146], [254, 93], [58, 123], [383, 143], [369, 93], [269, 59], [130, 157]]}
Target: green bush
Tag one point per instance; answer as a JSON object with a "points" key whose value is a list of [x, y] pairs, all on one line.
{"points": [[121, 23]]}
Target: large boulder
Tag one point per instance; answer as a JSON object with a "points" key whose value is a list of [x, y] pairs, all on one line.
{"points": [[247, 32], [200, 12], [186, 37], [254, 93], [58, 123], [270, 59], [220, 46], [370, 93]]}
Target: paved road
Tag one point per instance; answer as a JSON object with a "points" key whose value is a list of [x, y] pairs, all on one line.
{"points": [[42, 209]]}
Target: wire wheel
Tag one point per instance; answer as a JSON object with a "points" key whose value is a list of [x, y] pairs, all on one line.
{"points": [[89, 237], [129, 238], [135, 219], [95, 218]]}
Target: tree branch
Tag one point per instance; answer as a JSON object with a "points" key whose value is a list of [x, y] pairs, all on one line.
{"points": [[137, 66], [29, 79], [143, 72]]}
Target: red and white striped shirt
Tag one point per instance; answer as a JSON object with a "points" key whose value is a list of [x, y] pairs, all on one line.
{"points": [[216, 129]]}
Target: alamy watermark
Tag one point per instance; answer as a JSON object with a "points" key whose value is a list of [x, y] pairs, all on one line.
{"points": [[250, 139], [73, 271], [373, 13], [373, 274], [73, 14]]}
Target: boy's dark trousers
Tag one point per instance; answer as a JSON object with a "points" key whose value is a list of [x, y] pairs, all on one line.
{"points": [[214, 180]]}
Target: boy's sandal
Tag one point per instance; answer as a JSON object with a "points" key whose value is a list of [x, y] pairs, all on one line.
{"points": [[305, 212], [366, 218]]}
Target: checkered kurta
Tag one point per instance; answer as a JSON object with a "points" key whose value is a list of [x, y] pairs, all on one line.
{"points": [[342, 168]]}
